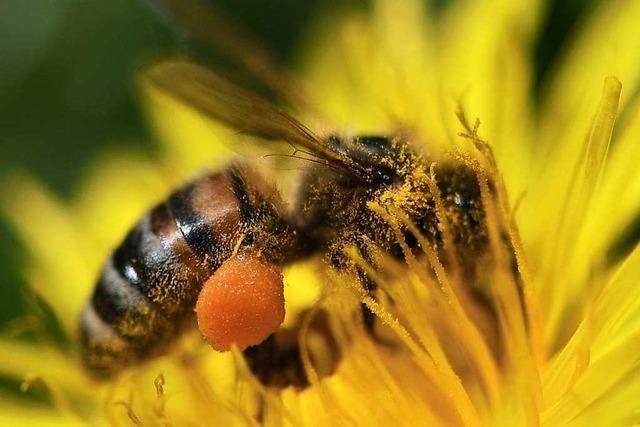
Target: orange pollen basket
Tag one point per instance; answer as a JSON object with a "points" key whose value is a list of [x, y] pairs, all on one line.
{"points": [[241, 304]]}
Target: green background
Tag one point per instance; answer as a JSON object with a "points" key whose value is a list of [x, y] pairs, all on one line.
{"points": [[66, 69]]}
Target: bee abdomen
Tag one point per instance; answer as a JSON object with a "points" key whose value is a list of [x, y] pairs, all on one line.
{"points": [[147, 290], [128, 311]]}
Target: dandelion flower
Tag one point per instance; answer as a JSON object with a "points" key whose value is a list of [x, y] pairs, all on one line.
{"points": [[560, 190]]}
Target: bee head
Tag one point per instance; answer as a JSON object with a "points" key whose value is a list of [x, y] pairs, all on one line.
{"points": [[377, 154]]}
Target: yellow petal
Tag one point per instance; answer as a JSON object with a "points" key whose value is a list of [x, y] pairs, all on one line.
{"points": [[377, 73], [609, 44], [17, 413], [600, 362], [566, 196], [485, 65], [617, 203], [54, 239]]}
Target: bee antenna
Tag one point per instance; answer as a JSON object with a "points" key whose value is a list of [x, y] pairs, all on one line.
{"points": [[312, 160]]}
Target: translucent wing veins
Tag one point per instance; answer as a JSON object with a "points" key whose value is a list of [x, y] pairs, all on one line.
{"points": [[219, 99]]}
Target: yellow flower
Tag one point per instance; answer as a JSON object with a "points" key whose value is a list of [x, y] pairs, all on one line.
{"points": [[569, 358]]}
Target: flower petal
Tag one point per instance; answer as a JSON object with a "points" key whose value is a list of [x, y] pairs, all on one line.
{"points": [[485, 65], [55, 242], [599, 363]]}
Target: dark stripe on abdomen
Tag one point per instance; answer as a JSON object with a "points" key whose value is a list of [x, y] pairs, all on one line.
{"points": [[155, 259], [246, 208], [192, 223], [208, 215]]}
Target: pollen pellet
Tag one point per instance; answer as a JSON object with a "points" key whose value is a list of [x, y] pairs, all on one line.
{"points": [[242, 303]]}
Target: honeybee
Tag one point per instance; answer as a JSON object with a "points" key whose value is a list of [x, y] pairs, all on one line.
{"points": [[228, 228], [147, 291]]}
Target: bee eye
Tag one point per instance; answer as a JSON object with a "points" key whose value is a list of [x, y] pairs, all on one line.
{"points": [[241, 304], [383, 176]]}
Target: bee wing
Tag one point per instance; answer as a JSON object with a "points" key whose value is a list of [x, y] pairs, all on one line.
{"points": [[203, 22], [221, 100]]}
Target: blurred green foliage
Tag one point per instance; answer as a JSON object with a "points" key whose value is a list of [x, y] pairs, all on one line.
{"points": [[66, 83]]}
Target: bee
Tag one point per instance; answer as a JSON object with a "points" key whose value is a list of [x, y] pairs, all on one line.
{"points": [[146, 294]]}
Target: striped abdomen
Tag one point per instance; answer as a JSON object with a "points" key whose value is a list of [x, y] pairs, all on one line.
{"points": [[148, 288]]}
